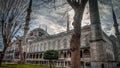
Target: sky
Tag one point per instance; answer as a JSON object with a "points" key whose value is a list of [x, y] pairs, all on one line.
{"points": [[106, 17], [55, 18]]}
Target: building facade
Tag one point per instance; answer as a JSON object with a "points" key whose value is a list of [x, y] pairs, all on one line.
{"points": [[38, 41]]}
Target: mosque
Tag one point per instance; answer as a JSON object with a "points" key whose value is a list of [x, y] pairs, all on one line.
{"points": [[101, 52]]}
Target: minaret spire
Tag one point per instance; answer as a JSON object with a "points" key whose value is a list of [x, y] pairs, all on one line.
{"points": [[46, 28], [116, 26], [39, 25], [117, 33], [68, 22], [29, 10]]}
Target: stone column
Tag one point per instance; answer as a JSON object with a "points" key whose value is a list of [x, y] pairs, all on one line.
{"points": [[42, 55], [60, 63], [29, 56], [64, 63], [35, 56], [38, 55], [56, 63], [98, 54], [32, 56]]}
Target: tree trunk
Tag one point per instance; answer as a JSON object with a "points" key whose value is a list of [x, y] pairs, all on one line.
{"points": [[50, 63], [75, 40], [78, 7], [2, 55], [6, 44], [1, 58], [21, 53]]}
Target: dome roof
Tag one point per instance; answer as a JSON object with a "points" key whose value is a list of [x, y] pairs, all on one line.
{"points": [[38, 29], [38, 32]]}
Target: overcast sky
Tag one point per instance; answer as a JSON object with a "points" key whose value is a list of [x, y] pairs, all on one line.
{"points": [[55, 19]]}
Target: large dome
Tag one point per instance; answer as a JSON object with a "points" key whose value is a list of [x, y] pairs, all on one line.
{"points": [[38, 32]]}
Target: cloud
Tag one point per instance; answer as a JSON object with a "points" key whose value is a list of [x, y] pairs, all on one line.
{"points": [[50, 17], [50, 23], [106, 17], [55, 19]]}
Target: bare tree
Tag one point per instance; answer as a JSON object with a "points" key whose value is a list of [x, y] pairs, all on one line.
{"points": [[12, 16]]}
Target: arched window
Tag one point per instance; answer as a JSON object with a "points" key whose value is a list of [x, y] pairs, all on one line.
{"points": [[37, 47], [86, 53], [53, 44], [34, 48], [68, 54], [37, 56], [30, 55], [58, 44], [45, 46], [42, 46], [81, 54], [61, 54], [33, 55], [65, 55], [31, 34], [118, 65], [102, 66], [65, 43], [40, 34], [49, 44], [41, 55]]}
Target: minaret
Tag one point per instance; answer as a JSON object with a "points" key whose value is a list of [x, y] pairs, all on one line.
{"points": [[46, 28], [68, 22], [40, 26], [1, 39], [117, 33], [116, 26], [29, 10], [97, 43]]}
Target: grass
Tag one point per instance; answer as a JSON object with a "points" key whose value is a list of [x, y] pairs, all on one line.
{"points": [[25, 66]]}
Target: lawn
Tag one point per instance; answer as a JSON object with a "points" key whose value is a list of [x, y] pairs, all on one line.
{"points": [[24, 66]]}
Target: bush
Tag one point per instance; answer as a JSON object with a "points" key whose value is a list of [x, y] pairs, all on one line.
{"points": [[51, 55], [87, 63]]}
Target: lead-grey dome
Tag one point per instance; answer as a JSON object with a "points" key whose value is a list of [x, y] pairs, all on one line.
{"points": [[38, 32]]}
